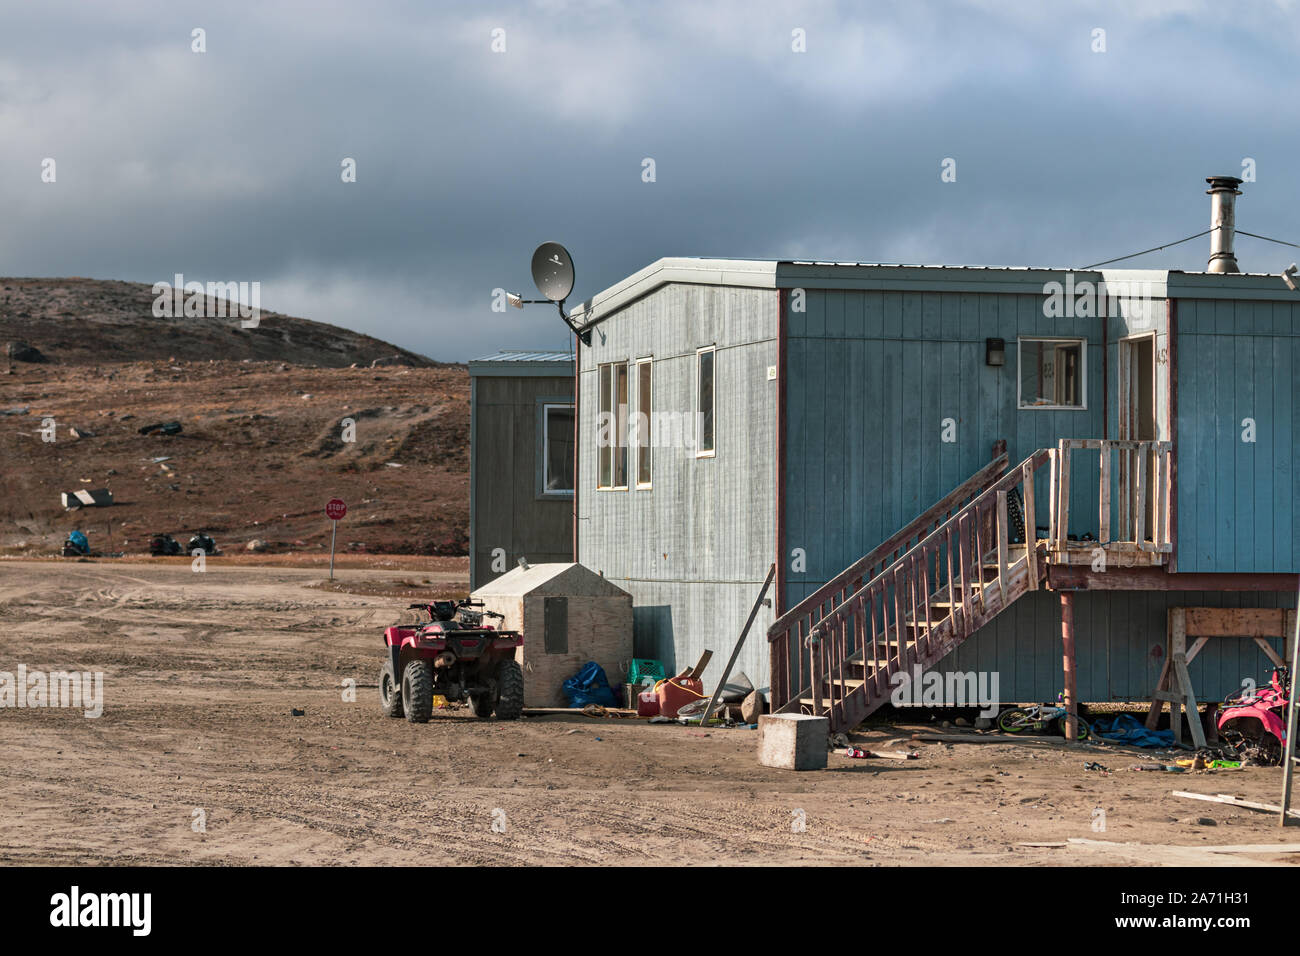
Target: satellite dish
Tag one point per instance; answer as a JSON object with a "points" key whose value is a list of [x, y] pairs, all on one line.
{"points": [[553, 271]]}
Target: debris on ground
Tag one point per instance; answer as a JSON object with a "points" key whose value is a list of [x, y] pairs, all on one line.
{"points": [[1235, 802]]}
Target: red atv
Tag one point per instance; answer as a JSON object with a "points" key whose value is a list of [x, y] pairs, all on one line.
{"points": [[453, 654], [1253, 722]]}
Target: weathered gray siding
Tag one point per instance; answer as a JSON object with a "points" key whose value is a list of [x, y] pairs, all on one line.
{"points": [[506, 511], [694, 548], [1236, 499]]}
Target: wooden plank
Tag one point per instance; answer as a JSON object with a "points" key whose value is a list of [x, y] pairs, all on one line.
{"points": [[1063, 510], [1031, 525], [1052, 499], [1002, 533], [1140, 505], [1271, 654], [1236, 621], [1193, 713], [1103, 528], [1233, 801]]}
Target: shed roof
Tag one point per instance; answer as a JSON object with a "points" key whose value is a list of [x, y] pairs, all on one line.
{"points": [[523, 362], [558, 580]]}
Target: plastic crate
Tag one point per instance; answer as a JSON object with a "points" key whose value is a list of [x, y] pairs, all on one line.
{"points": [[641, 671]]}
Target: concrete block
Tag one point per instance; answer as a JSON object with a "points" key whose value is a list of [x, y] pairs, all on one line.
{"points": [[793, 741]]}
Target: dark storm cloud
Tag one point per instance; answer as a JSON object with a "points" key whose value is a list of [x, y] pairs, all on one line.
{"points": [[226, 165]]}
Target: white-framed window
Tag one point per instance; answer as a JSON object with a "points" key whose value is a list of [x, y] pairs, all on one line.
{"points": [[611, 427], [557, 449], [1052, 373], [644, 410], [705, 381]]}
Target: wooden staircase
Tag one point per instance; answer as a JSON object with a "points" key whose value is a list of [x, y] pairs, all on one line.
{"points": [[913, 600]]}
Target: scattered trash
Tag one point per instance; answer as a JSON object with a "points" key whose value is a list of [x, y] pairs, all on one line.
{"points": [[1157, 767], [297, 713], [860, 754], [86, 498], [1093, 765], [16, 410], [575, 730], [162, 428]]}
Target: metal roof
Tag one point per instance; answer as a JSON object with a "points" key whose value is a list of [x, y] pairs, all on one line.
{"points": [[524, 355], [524, 363], [793, 273]]}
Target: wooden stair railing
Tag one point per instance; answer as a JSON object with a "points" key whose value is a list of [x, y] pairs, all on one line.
{"points": [[919, 608], [786, 636]]}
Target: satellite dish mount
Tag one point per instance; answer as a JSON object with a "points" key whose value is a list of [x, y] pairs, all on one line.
{"points": [[553, 275]]}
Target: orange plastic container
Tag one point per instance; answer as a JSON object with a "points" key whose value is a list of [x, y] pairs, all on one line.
{"points": [[647, 704], [676, 692]]}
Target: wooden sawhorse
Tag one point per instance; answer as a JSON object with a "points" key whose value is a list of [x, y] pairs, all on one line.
{"points": [[1203, 623]]}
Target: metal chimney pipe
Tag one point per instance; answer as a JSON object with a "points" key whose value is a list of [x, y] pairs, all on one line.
{"points": [[1223, 193]]}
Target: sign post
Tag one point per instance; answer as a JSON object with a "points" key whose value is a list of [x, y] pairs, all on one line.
{"points": [[335, 509]]}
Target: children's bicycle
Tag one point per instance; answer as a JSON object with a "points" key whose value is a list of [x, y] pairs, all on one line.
{"points": [[1038, 717]]}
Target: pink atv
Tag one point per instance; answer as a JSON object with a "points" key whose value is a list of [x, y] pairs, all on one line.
{"points": [[1253, 722]]}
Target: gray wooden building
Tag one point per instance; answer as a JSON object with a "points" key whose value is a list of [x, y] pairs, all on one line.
{"points": [[521, 461], [865, 426]]}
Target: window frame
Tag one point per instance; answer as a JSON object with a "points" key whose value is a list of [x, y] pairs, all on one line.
{"points": [[609, 452], [1078, 340], [545, 405], [644, 446], [711, 452]]}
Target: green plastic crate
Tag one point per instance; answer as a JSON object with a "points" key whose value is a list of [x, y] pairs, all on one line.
{"points": [[642, 671]]}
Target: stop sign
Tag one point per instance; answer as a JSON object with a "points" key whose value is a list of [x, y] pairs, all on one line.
{"points": [[335, 509]]}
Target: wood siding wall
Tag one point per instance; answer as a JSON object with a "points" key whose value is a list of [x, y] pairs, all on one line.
{"points": [[695, 547], [1236, 500], [507, 512], [1120, 641], [871, 378]]}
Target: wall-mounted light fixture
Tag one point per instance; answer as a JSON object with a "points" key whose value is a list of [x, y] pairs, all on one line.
{"points": [[995, 352]]}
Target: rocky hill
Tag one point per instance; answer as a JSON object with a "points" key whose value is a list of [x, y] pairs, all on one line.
{"points": [[263, 442]]}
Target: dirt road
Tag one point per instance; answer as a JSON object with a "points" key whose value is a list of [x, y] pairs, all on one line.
{"points": [[198, 759]]}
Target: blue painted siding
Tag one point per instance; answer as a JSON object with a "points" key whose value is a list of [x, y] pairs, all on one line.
{"points": [[1120, 639], [871, 377], [1236, 500]]}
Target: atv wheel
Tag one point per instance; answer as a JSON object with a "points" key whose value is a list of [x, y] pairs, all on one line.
{"points": [[417, 691], [483, 705], [390, 694], [510, 690]]}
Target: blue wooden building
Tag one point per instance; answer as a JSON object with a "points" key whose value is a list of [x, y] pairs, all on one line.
{"points": [[941, 462]]}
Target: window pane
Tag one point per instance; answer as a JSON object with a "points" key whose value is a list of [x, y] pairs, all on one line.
{"points": [[706, 401], [1051, 373], [620, 438], [605, 452], [643, 423], [559, 448]]}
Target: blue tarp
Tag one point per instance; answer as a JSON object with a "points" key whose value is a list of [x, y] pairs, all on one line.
{"points": [[589, 686], [1126, 729]]}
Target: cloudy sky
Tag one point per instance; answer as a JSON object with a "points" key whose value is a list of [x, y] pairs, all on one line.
{"points": [[226, 165]]}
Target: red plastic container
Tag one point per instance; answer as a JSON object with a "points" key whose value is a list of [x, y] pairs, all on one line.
{"points": [[676, 692], [647, 704]]}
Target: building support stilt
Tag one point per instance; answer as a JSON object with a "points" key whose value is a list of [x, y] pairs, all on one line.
{"points": [[1067, 647]]}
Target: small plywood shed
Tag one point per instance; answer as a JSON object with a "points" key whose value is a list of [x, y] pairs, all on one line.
{"points": [[568, 615]]}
